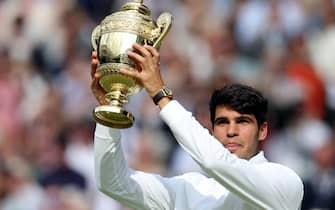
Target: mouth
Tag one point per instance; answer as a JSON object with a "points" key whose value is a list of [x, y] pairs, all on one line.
{"points": [[232, 147]]}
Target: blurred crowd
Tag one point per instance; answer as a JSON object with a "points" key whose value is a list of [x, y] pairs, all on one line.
{"points": [[285, 48]]}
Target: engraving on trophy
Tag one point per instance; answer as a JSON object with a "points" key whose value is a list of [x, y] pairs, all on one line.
{"points": [[112, 39]]}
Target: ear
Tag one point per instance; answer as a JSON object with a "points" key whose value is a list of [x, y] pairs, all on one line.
{"points": [[263, 132]]}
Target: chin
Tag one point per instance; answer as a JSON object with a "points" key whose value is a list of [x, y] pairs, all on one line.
{"points": [[238, 154], [233, 151]]}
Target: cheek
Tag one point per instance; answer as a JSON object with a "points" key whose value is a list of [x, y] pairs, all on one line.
{"points": [[249, 137], [219, 135], [253, 141]]}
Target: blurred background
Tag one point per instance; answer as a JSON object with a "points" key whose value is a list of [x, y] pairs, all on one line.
{"points": [[285, 48]]}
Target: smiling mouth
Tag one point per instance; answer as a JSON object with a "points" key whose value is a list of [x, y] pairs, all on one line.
{"points": [[232, 147]]}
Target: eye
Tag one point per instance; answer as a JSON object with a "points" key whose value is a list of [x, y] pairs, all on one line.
{"points": [[221, 121], [243, 120]]}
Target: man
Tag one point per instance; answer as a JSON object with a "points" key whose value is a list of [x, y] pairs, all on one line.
{"points": [[241, 177]]}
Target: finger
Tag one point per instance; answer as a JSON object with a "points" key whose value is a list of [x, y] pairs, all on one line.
{"points": [[94, 55], [130, 73], [136, 57], [98, 92], [94, 66], [143, 51], [97, 75], [152, 50], [96, 88], [155, 54]]}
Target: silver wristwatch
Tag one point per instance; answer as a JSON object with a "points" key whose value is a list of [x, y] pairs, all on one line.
{"points": [[163, 92]]}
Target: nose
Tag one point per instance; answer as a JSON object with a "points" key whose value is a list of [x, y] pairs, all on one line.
{"points": [[232, 130]]}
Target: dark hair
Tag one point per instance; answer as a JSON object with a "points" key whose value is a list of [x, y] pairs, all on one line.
{"points": [[241, 98]]}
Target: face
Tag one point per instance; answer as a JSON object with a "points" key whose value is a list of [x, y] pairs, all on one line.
{"points": [[239, 133]]}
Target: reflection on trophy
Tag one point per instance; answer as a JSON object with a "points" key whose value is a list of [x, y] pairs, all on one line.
{"points": [[112, 39]]}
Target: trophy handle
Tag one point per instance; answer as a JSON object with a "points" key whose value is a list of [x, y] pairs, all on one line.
{"points": [[164, 23], [95, 37]]}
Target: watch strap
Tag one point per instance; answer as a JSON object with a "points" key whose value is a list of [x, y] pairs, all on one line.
{"points": [[163, 92]]}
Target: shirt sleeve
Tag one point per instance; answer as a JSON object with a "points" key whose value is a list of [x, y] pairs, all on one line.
{"points": [[266, 185], [135, 189]]}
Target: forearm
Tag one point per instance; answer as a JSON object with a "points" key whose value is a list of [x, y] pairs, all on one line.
{"points": [[114, 178], [112, 173]]}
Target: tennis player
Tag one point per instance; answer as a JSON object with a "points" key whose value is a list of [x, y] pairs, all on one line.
{"points": [[239, 177]]}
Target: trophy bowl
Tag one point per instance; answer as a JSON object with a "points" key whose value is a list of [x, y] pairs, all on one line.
{"points": [[112, 39]]}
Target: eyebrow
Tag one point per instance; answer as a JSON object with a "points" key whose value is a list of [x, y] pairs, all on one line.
{"points": [[242, 117]]}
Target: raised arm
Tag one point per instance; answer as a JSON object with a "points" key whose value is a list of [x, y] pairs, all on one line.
{"points": [[134, 189]]}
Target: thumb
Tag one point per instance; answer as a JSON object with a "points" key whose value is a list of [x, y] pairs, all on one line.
{"points": [[97, 76], [98, 91]]}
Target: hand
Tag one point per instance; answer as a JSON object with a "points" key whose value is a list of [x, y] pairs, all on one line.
{"points": [[97, 90], [148, 74]]}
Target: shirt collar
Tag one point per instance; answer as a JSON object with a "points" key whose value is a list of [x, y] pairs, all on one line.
{"points": [[259, 158]]}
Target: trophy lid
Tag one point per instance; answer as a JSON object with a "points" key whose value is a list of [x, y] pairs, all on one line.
{"points": [[137, 5]]}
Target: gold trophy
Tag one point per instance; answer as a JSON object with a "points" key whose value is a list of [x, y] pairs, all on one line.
{"points": [[112, 39]]}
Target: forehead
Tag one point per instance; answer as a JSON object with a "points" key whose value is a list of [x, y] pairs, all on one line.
{"points": [[228, 112]]}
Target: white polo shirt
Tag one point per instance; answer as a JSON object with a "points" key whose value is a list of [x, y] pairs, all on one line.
{"points": [[236, 184]]}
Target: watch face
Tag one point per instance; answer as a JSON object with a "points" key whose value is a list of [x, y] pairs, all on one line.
{"points": [[167, 92]]}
